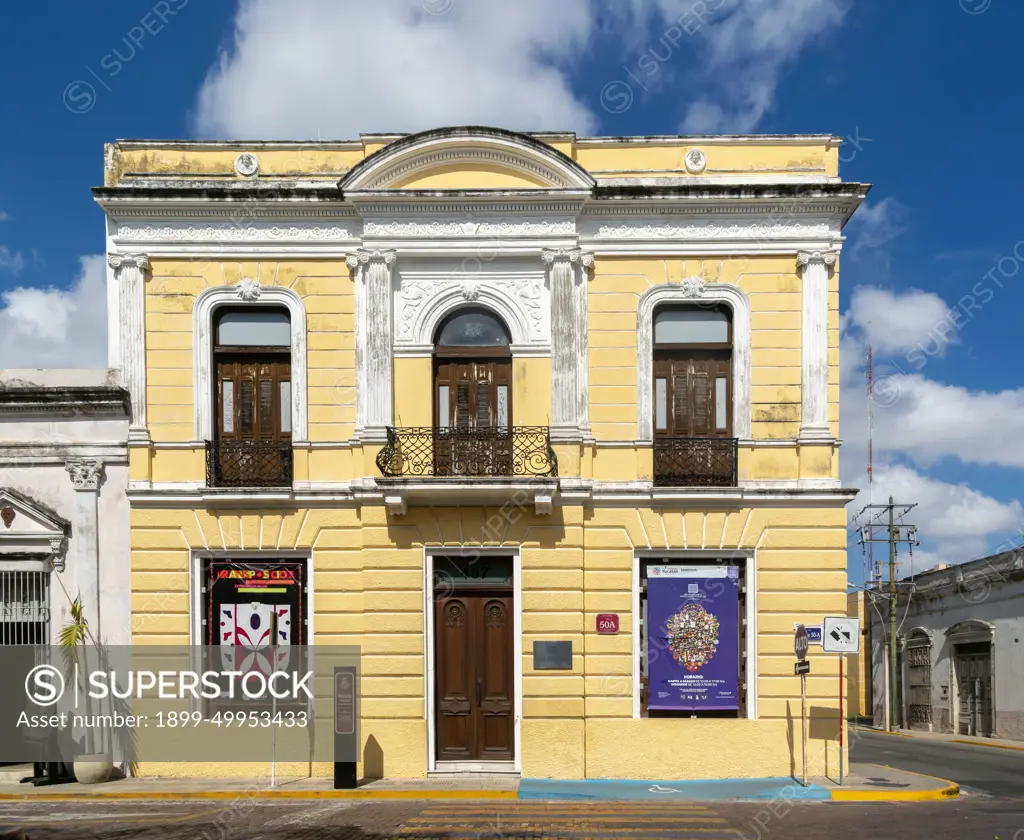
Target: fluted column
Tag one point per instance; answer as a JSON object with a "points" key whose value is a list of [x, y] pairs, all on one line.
{"points": [[86, 476], [128, 274], [814, 380], [374, 342], [567, 275]]}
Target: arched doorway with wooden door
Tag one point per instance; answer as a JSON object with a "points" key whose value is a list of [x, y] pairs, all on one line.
{"points": [[473, 395]]}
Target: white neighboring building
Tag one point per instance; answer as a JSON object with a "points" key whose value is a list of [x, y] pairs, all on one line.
{"points": [[64, 520], [960, 649]]}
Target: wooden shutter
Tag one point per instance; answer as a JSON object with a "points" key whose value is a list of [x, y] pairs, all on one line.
{"points": [[250, 398]]}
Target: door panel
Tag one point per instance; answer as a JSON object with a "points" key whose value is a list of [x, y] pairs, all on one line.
{"points": [[474, 671], [496, 682], [455, 656]]}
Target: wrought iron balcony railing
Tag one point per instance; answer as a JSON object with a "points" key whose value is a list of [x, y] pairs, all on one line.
{"points": [[695, 462], [450, 451], [248, 463]]}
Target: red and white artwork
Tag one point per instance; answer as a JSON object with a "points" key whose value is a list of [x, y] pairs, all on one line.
{"points": [[245, 638]]}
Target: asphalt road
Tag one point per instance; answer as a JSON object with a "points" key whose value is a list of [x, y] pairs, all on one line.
{"points": [[984, 770], [968, 818]]}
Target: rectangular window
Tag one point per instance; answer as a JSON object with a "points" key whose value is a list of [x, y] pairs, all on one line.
{"points": [[721, 409], [266, 407], [286, 407], [443, 409], [227, 402], [503, 406], [24, 608], [692, 638], [661, 404]]}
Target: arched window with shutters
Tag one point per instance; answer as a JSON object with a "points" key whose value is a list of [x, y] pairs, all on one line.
{"points": [[692, 399], [692, 372], [253, 398], [473, 395]]}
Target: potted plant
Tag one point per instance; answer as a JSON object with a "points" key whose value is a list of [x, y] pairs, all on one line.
{"points": [[95, 765]]}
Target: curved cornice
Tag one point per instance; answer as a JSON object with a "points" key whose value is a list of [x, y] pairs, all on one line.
{"points": [[426, 149]]}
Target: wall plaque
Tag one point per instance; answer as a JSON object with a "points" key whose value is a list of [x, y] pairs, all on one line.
{"points": [[552, 656]]}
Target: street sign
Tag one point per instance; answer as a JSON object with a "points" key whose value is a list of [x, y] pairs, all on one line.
{"points": [[800, 642], [608, 623], [802, 667], [840, 634], [813, 633]]}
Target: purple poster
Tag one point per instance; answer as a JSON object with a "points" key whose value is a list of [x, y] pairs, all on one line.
{"points": [[692, 637]]}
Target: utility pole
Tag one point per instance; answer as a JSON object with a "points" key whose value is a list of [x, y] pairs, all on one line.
{"points": [[892, 616], [893, 536]]}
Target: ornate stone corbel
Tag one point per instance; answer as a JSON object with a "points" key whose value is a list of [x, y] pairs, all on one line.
{"points": [[86, 474], [58, 546]]}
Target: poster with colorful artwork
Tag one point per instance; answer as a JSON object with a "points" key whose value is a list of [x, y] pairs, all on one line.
{"points": [[692, 638], [255, 612]]}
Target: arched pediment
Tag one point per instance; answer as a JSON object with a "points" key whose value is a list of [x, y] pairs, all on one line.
{"points": [[467, 158]]}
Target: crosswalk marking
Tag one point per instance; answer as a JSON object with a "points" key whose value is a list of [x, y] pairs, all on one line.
{"points": [[569, 820]]}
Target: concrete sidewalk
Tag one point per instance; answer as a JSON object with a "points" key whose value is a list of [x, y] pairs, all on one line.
{"points": [[867, 782], [948, 737]]}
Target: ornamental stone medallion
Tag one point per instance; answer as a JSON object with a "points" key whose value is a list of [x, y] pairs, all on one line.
{"points": [[247, 164]]}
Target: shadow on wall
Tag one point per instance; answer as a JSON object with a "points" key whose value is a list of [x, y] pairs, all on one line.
{"points": [[791, 739], [373, 759]]}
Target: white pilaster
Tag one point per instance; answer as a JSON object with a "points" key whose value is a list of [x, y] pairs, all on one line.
{"points": [[814, 381], [374, 342], [128, 275], [86, 476], [569, 360]]}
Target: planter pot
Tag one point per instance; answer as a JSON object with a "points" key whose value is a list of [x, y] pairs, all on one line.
{"points": [[93, 769]]}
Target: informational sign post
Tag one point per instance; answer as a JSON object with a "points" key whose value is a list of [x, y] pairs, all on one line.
{"points": [[840, 634], [693, 638], [346, 715]]}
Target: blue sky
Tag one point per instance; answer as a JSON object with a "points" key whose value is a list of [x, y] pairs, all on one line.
{"points": [[924, 91]]}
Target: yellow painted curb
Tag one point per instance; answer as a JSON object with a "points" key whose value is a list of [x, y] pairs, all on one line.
{"points": [[265, 794], [990, 746], [950, 791]]}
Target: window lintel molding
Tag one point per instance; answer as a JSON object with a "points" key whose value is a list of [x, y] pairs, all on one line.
{"points": [[694, 291], [247, 293]]}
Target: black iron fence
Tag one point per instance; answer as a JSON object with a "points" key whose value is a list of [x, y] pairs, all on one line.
{"points": [[248, 463], [512, 451], [695, 462]]}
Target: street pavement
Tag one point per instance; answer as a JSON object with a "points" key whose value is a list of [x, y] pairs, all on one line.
{"points": [[991, 806], [969, 817], [979, 769]]}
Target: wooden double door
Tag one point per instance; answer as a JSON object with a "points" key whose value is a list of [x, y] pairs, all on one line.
{"points": [[475, 685]]}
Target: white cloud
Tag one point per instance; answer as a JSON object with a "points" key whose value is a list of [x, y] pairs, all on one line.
{"points": [[11, 261], [897, 322], [57, 327], [749, 45], [918, 422], [3, 216], [957, 522], [323, 68]]}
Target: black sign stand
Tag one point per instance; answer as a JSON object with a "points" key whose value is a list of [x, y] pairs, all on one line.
{"points": [[346, 720]]}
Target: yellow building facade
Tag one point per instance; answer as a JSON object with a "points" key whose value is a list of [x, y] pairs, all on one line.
{"points": [[474, 386]]}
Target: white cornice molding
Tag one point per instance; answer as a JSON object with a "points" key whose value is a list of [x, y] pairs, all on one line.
{"points": [[252, 294], [421, 228]]}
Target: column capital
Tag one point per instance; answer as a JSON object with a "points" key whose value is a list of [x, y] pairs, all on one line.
{"points": [[826, 258], [572, 255], [366, 256], [139, 261], [86, 474]]}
